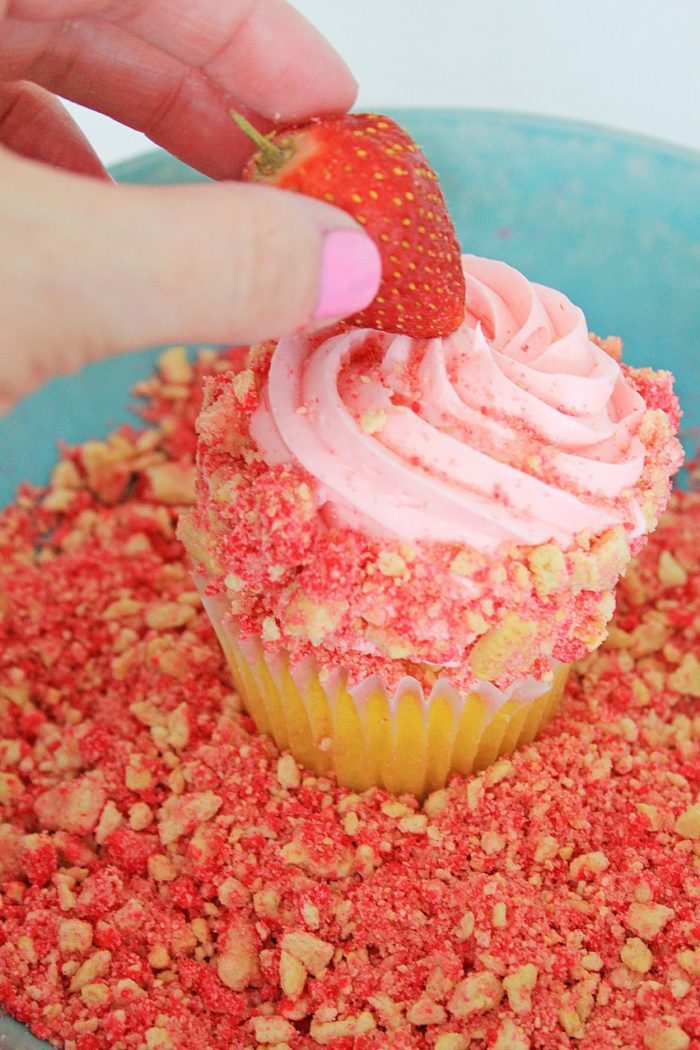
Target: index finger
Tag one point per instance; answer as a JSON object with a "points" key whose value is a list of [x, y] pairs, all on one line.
{"points": [[263, 53]]}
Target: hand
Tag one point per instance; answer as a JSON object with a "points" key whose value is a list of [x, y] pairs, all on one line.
{"points": [[88, 267]]}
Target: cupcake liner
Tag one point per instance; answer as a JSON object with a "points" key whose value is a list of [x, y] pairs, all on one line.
{"points": [[404, 741]]}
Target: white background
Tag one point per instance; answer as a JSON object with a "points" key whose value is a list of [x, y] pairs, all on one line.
{"points": [[632, 64]]}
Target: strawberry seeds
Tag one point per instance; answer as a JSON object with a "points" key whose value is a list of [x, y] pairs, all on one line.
{"points": [[368, 166]]}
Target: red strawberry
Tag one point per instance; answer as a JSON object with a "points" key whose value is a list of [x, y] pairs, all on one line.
{"points": [[367, 165]]}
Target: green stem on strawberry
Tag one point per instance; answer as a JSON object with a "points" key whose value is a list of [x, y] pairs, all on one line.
{"points": [[271, 157]]}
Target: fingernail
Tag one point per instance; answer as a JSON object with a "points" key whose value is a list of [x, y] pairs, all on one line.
{"points": [[351, 271]]}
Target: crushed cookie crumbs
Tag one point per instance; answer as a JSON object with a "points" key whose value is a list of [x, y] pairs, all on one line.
{"points": [[366, 606], [168, 880]]}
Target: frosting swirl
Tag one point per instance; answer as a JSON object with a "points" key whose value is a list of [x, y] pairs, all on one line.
{"points": [[400, 507], [518, 427]]}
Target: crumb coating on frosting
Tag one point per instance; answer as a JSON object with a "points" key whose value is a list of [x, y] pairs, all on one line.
{"points": [[462, 505], [375, 604]]}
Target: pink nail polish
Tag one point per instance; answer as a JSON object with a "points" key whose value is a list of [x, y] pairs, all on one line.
{"points": [[351, 271]]}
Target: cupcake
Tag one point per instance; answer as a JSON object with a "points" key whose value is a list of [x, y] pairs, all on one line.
{"points": [[404, 544]]}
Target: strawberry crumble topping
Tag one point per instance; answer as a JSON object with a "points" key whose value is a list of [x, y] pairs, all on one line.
{"points": [[169, 880], [264, 536]]}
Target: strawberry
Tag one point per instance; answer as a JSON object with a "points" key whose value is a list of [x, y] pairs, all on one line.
{"points": [[367, 165]]}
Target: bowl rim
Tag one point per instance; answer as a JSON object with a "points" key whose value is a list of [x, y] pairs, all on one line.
{"points": [[516, 117]]}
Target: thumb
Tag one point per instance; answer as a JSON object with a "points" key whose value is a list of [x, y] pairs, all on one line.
{"points": [[90, 268]]}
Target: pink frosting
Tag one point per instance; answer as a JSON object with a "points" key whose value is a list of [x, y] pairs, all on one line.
{"points": [[515, 428]]}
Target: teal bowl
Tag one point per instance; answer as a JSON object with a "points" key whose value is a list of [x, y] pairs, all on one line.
{"points": [[611, 219]]}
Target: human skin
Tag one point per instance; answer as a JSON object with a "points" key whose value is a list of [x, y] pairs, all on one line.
{"points": [[90, 268]]}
